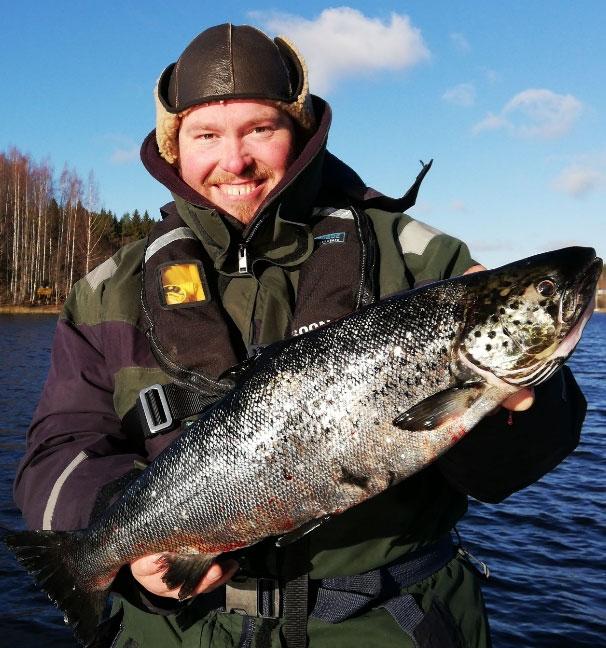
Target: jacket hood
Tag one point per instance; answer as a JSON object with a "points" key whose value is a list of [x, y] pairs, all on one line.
{"points": [[306, 168], [313, 170]]}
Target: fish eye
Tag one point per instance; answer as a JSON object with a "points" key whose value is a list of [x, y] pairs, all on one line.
{"points": [[546, 288]]}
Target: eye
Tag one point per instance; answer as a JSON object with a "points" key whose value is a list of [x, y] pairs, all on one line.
{"points": [[546, 288]]}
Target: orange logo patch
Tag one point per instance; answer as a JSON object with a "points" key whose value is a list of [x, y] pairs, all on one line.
{"points": [[181, 284]]}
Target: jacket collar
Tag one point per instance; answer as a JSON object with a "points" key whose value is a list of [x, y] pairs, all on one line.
{"points": [[278, 233]]}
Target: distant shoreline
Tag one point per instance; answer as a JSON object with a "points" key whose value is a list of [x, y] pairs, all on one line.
{"points": [[51, 309]]}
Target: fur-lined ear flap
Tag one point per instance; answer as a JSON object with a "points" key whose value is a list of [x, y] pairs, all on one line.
{"points": [[167, 129], [301, 110]]}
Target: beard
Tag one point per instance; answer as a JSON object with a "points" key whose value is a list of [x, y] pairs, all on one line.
{"points": [[244, 210]]}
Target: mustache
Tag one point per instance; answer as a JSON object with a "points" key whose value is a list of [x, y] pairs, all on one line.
{"points": [[254, 172]]}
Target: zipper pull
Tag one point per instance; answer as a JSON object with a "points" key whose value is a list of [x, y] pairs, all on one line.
{"points": [[242, 260]]}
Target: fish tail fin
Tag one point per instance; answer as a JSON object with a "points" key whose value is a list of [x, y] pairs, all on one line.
{"points": [[50, 556]]}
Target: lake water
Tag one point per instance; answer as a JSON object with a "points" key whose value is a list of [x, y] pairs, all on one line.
{"points": [[545, 545]]}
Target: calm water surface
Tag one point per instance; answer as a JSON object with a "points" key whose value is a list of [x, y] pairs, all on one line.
{"points": [[545, 545]]}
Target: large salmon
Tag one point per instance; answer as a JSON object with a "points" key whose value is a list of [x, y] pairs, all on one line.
{"points": [[323, 421]]}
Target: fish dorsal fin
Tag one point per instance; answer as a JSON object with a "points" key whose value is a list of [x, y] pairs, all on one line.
{"points": [[434, 411], [184, 571], [298, 533]]}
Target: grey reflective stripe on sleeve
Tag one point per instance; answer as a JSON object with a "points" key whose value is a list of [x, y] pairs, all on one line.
{"points": [[101, 273], [415, 237], [54, 495], [343, 214], [165, 239]]}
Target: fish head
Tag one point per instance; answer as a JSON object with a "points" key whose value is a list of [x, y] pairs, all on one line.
{"points": [[524, 319]]}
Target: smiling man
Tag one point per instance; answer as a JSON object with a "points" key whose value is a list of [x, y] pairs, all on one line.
{"points": [[268, 236]]}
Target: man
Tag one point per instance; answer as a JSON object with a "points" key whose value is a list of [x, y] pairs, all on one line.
{"points": [[268, 236]]}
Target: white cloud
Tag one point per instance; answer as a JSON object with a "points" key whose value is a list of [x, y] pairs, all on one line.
{"points": [[535, 113], [460, 42], [125, 155], [578, 180], [342, 42], [463, 94]]}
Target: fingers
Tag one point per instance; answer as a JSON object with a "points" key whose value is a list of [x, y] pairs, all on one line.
{"points": [[216, 576], [475, 268], [148, 572], [520, 401]]}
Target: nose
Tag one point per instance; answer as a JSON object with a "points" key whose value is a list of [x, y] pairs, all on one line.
{"points": [[234, 156]]}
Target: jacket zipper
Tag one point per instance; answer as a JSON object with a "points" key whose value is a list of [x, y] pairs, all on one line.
{"points": [[242, 259], [242, 256]]}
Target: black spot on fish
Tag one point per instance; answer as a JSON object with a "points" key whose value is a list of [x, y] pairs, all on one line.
{"points": [[494, 318], [516, 322], [506, 343], [488, 347], [477, 334], [347, 477], [491, 334], [502, 311], [514, 305]]}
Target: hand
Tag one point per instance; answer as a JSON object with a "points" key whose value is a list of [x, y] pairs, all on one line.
{"points": [[523, 399], [148, 572]]}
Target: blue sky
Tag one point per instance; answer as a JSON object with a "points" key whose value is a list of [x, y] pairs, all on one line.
{"points": [[509, 99]]}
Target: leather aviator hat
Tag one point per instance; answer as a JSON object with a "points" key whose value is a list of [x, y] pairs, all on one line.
{"points": [[231, 62]]}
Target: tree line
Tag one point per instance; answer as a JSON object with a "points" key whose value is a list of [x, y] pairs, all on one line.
{"points": [[51, 230]]}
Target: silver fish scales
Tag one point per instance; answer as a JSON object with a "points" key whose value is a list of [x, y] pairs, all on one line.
{"points": [[322, 422]]}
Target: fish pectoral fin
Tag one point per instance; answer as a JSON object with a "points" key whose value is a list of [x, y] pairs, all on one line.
{"points": [[434, 411], [184, 571], [298, 533]]}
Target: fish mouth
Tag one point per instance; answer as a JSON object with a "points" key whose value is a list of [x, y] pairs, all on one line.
{"points": [[578, 296]]}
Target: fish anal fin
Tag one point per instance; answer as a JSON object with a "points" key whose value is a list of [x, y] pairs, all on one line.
{"points": [[301, 531], [435, 411], [184, 571]]}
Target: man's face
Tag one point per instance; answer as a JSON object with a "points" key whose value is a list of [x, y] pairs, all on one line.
{"points": [[234, 153]]}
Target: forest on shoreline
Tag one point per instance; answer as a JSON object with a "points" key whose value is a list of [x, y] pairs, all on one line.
{"points": [[51, 230]]}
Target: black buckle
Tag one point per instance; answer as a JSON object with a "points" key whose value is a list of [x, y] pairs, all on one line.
{"points": [[256, 597], [156, 417]]}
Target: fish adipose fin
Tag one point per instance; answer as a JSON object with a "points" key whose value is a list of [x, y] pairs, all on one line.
{"points": [[184, 571], [50, 557], [434, 411]]}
